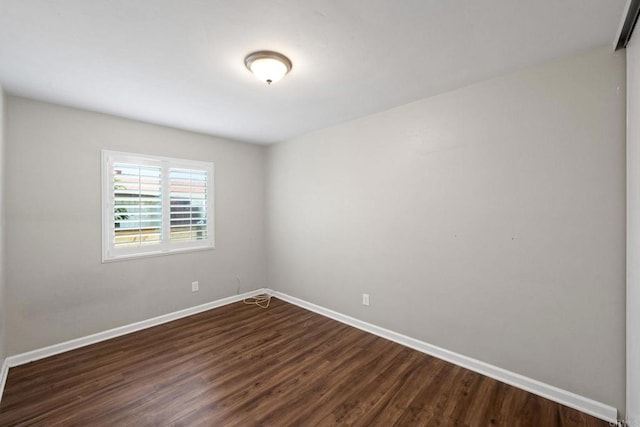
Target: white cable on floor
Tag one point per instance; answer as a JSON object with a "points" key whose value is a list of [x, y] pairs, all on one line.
{"points": [[261, 300]]}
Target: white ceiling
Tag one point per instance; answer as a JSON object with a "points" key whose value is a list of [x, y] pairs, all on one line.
{"points": [[180, 62]]}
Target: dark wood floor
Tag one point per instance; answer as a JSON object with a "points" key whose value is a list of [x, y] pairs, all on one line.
{"points": [[240, 365]]}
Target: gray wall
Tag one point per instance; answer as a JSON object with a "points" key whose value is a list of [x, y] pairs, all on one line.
{"points": [[57, 285], [633, 232], [489, 221]]}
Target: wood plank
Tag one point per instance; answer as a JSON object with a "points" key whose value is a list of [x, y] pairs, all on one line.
{"points": [[243, 365]]}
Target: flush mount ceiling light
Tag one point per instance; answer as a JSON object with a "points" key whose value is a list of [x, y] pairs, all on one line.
{"points": [[268, 66]]}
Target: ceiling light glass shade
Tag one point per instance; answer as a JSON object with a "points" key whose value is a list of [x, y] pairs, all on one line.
{"points": [[268, 66]]}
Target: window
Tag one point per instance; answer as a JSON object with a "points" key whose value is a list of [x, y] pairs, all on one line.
{"points": [[155, 205]]}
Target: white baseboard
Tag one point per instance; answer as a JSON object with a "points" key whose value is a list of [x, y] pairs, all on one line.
{"points": [[564, 397], [41, 353], [3, 376]]}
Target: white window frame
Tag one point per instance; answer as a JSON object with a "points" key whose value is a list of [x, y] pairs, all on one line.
{"points": [[165, 247]]}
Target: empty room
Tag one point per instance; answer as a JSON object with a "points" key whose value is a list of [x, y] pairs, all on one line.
{"points": [[319, 213]]}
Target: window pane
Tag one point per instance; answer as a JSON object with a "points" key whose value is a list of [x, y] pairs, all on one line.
{"points": [[188, 200], [137, 196]]}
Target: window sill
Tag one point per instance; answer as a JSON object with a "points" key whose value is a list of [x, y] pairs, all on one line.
{"points": [[109, 260]]}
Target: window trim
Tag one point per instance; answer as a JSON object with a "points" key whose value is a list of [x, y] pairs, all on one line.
{"points": [[165, 247]]}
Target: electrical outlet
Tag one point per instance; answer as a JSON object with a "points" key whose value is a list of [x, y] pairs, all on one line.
{"points": [[194, 286], [365, 299]]}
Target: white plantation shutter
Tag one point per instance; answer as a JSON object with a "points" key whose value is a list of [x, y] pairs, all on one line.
{"points": [[188, 200], [137, 195], [155, 205]]}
